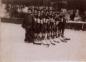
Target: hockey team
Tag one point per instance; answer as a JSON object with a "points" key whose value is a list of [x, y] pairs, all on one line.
{"points": [[43, 25]]}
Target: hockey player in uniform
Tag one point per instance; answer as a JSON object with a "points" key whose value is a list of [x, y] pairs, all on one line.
{"points": [[61, 26]]}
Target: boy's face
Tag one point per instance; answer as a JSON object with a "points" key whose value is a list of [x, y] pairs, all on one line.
{"points": [[29, 11]]}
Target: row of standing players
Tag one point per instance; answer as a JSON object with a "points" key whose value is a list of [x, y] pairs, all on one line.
{"points": [[43, 27]]}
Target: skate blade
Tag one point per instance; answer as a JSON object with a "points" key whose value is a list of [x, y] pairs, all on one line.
{"points": [[52, 42], [64, 41], [67, 38], [46, 44], [37, 43], [56, 41]]}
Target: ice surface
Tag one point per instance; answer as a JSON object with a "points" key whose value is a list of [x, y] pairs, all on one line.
{"points": [[14, 49]]}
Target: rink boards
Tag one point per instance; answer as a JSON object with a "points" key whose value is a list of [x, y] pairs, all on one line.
{"points": [[70, 24]]}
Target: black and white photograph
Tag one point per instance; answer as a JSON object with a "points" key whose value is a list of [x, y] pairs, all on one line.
{"points": [[42, 30]]}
